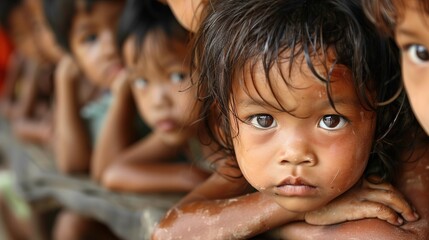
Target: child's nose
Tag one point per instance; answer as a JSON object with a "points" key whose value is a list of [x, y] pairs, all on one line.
{"points": [[297, 151], [108, 43], [160, 96]]}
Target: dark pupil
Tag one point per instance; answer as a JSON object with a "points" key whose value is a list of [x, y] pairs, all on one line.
{"points": [[265, 120], [422, 53], [331, 121], [91, 38]]}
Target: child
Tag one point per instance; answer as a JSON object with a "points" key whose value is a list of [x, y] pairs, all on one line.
{"points": [[155, 49], [293, 88], [24, 57], [35, 124], [406, 22], [86, 30]]}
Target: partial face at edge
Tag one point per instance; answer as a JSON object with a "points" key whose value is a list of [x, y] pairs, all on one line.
{"points": [[93, 41], [309, 157], [187, 12], [161, 86], [412, 37]]}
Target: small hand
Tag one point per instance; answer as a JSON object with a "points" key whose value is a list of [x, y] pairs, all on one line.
{"points": [[366, 200], [67, 71], [120, 83]]}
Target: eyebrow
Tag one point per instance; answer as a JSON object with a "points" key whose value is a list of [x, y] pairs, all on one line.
{"points": [[249, 102], [407, 32]]}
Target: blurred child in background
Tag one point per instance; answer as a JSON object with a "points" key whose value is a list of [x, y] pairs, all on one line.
{"points": [[156, 51], [36, 123], [86, 30]]}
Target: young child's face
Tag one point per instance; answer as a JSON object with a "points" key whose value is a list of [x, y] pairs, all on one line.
{"points": [[21, 32], [305, 158], [161, 86], [412, 37], [92, 41]]}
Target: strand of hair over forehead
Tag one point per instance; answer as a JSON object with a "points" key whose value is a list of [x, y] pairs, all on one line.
{"points": [[236, 50]]}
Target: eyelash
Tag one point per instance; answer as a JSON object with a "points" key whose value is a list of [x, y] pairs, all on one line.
{"points": [[343, 121], [410, 51], [254, 121], [251, 119]]}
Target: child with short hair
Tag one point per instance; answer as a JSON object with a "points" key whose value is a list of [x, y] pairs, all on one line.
{"points": [[155, 49], [293, 92]]}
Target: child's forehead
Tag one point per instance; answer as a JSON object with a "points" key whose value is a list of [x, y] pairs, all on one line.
{"points": [[320, 70], [156, 45]]}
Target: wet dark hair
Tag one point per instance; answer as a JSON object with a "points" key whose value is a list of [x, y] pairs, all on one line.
{"points": [[238, 33], [386, 13], [144, 16], [6, 8], [60, 14]]}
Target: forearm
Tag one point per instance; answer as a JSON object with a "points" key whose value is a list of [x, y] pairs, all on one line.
{"points": [[361, 229], [72, 143], [116, 134], [145, 178], [235, 218], [221, 208], [39, 132]]}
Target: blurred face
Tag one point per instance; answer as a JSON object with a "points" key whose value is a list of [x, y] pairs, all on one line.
{"points": [[161, 86], [92, 41], [412, 37], [305, 158], [44, 36], [21, 33], [187, 12]]}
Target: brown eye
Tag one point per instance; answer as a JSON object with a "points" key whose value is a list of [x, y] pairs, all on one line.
{"points": [[418, 53], [332, 122], [263, 121]]}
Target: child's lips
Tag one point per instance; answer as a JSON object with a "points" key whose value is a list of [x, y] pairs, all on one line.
{"points": [[295, 187], [166, 125]]}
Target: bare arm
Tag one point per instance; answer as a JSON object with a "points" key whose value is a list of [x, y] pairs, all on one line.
{"points": [[116, 134], [413, 183], [222, 209], [153, 177], [72, 142]]}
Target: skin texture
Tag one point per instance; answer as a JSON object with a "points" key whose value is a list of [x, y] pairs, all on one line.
{"points": [[157, 81], [304, 160], [414, 44]]}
